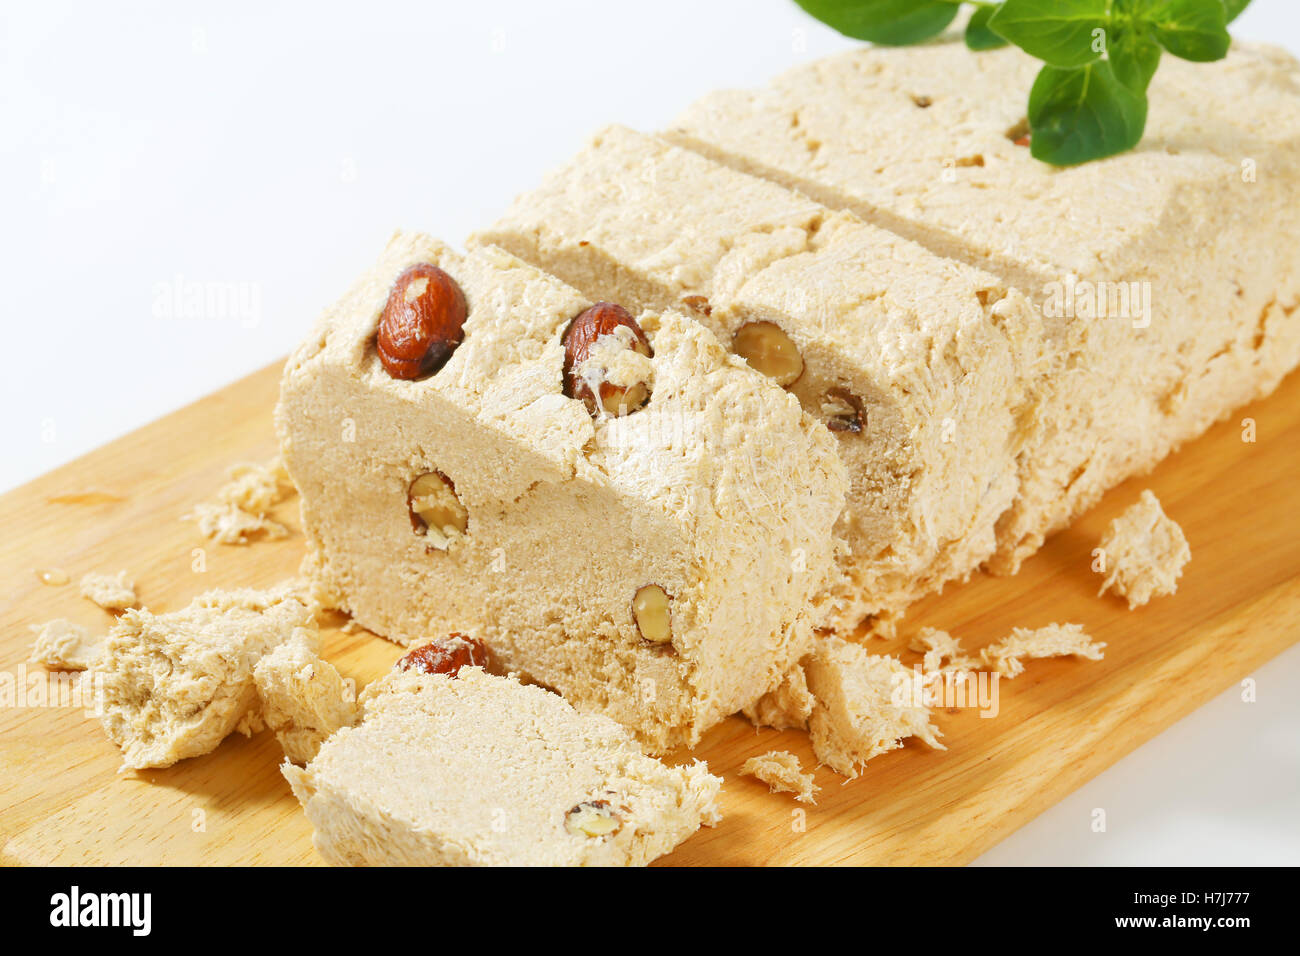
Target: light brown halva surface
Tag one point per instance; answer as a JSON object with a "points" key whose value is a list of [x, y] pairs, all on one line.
{"points": [[1189, 242], [934, 354], [483, 770], [720, 491]]}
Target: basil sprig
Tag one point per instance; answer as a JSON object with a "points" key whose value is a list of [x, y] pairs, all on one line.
{"points": [[1090, 98]]}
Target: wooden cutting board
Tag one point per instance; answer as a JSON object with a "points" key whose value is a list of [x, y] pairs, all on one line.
{"points": [[62, 800]]}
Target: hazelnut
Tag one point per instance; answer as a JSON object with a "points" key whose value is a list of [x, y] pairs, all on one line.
{"points": [[698, 303], [842, 410], [1020, 133], [446, 655], [766, 347], [435, 510], [598, 323], [652, 611], [593, 818], [422, 323]]}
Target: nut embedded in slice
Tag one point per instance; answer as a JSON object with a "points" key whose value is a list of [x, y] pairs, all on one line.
{"points": [[594, 818], [422, 323], [843, 411], [446, 655], [653, 613], [593, 343], [435, 510], [766, 347]]}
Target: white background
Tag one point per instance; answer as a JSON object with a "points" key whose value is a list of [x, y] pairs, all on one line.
{"points": [[274, 147]]}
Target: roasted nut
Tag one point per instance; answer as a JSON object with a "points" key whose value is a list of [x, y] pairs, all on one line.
{"points": [[422, 323], [766, 347], [435, 510], [923, 101], [601, 320], [593, 818], [446, 655], [698, 303], [652, 611], [842, 411]]}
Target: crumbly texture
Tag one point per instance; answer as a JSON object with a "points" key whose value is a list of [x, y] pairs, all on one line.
{"points": [[238, 514], [1055, 640], [482, 770], [112, 592], [933, 352], [229, 524], [568, 516], [303, 698], [782, 773], [1145, 551], [916, 140], [64, 646], [788, 706], [175, 685], [866, 705], [943, 652]]}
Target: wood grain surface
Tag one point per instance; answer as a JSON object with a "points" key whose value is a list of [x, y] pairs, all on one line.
{"points": [[62, 799]]}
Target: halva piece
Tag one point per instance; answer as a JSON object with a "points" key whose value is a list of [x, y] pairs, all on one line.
{"points": [[659, 562], [484, 771], [1143, 551], [175, 685]]}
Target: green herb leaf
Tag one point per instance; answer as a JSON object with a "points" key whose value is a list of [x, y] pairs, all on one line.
{"points": [[1134, 57], [1083, 114], [1234, 8], [1059, 33], [978, 34], [1191, 29], [890, 22]]}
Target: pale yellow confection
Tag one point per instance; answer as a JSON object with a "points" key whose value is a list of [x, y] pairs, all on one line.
{"points": [[64, 646], [782, 773], [1144, 551], [484, 771], [112, 592], [917, 362], [719, 491], [303, 698], [943, 652], [238, 514], [175, 685], [866, 705], [1054, 640], [789, 705], [256, 488], [1168, 277], [230, 524]]}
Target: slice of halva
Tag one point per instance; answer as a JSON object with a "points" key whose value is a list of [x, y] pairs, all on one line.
{"points": [[1168, 277], [916, 364], [661, 566], [171, 686], [485, 771]]}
